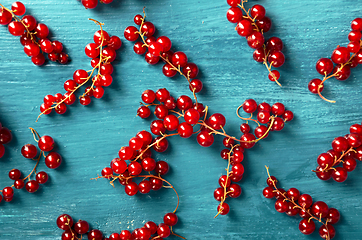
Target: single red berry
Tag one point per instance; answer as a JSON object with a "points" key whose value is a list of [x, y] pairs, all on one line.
{"points": [[256, 40], [29, 151], [223, 208], [30, 22], [234, 14], [339, 174], [95, 234], [131, 188], [64, 222], [340, 55], [306, 227], [143, 112], [148, 29], [314, 85], [5, 16], [234, 190], [170, 219], [179, 59], [130, 33], [46, 143], [14, 174], [257, 11], [16, 28], [274, 43], [53, 160], [244, 28], [32, 186], [115, 43], [305, 200], [205, 139], [41, 177], [357, 24]]}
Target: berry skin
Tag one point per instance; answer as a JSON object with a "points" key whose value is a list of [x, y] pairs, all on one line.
{"points": [[339, 174], [148, 29], [41, 177], [134, 168], [162, 94], [255, 40], [155, 48], [32, 186], [234, 14], [306, 227], [305, 200], [42, 30], [31, 49], [179, 59], [29, 151], [205, 139], [90, 3], [53, 160], [119, 166], [81, 227], [8, 192], [5, 16], [165, 42], [249, 106], [16, 28], [247, 140], [170, 219], [356, 24], [327, 232], [143, 112], [257, 11], [274, 43], [333, 216], [234, 190], [244, 28], [340, 144], [131, 188], [276, 59], [14, 174], [191, 70], [281, 206], [217, 121], [314, 85], [320, 209], [46, 143], [64, 222], [340, 55], [184, 102], [171, 122], [223, 208], [185, 130], [95, 234], [130, 33], [268, 192]]}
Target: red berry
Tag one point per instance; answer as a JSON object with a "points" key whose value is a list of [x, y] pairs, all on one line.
{"points": [[340, 55], [53, 160], [64, 222], [16, 28], [42, 30], [29, 21], [130, 33], [234, 14], [314, 85], [29, 151], [32, 186], [41, 177], [306, 227], [179, 59], [244, 28], [257, 11]]}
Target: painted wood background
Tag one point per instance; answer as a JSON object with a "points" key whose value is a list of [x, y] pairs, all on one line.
{"points": [[89, 137]]}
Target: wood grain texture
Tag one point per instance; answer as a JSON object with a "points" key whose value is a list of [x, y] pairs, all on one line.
{"points": [[89, 137]]}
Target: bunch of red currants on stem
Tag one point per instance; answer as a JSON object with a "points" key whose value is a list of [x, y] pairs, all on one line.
{"points": [[252, 24], [292, 202], [93, 3], [344, 59], [160, 48], [33, 35], [345, 150], [150, 230], [30, 151], [103, 53], [234, 153], [5, 138]]}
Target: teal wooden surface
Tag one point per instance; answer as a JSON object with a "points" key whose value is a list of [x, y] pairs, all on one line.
{"points": [[89, 137]]}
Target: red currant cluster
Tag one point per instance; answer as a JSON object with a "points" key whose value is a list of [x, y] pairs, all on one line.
{"points": [[252, 24], [103, 53], [273, 117], [234, 153], [5, 138], [150, 230], [160, 48], [33, 35], [345, 58], [344, 150], [93, 3], [29, 151], [292, 202]]}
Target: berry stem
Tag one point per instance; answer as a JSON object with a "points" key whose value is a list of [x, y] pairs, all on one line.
{"points": [[144, 177], [246, 119], [269, 67], [227, 179]]}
